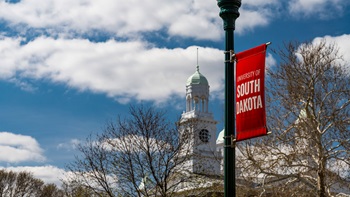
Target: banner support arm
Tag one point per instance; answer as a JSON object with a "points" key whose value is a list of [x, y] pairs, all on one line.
{"points": [[232, 56], [233, 140]]}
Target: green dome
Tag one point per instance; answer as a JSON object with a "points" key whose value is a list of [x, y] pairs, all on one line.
{"points": [[197, 78]]}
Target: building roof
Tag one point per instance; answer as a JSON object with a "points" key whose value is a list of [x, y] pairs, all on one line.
{"points": [[197, 78], [220, 139]]}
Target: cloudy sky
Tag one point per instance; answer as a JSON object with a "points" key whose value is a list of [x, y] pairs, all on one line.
{"points": [[69, 66]]}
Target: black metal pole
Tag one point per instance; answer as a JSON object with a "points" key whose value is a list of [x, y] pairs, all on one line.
{"points": [[229, 13]]}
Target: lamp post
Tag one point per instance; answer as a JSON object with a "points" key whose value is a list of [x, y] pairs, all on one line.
{"points": [[229, 13]]}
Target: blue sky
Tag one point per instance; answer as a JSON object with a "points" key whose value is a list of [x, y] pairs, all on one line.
{"points": [[67, 67]]}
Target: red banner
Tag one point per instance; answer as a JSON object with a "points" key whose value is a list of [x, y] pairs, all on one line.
{"points": [[250, 93]]}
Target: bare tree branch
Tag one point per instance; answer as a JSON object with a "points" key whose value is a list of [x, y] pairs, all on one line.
{"points": [[308, 101]]}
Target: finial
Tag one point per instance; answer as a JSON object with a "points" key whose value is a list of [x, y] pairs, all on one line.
{"points": [[197, 55], [197, 61]]}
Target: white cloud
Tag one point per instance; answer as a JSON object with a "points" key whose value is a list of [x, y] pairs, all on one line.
{"points": [[320, 8], [340, 167], [121, 17], [342, 42], [270, 61], [126, 143], [249, 19], [16, 148], [123, 70], [47, 173], [260, 3], [25, 86], [71, 145], [198, 19], [256, 13]]}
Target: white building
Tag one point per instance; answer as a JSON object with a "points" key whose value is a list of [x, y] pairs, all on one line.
{"points": [[206, 158]]}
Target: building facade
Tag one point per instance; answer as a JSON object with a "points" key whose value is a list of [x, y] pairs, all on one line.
{"points": [[199, 120]]}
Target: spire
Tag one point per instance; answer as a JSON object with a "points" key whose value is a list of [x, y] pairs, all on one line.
{"points": [[197, 77], [197, 61]]}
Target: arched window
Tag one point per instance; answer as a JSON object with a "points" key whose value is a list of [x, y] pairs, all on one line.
{"points": [[204, 135]]}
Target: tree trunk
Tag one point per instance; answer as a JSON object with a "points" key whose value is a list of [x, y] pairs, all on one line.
{"points": [[321, 178]]}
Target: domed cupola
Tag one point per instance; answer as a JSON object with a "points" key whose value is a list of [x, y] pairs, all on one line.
{"points": [[197, 93], [197, 78]]}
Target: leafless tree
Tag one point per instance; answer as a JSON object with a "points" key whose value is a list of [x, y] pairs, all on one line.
{"points": [[51, 190], [308, 109], [141, 155], [75, 189], [23, 184]]}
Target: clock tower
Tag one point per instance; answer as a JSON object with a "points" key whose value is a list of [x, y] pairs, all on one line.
{"points": [[198, 120]]}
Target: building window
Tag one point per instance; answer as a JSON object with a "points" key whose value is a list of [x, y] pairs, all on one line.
{"points": [[204, 135]]}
